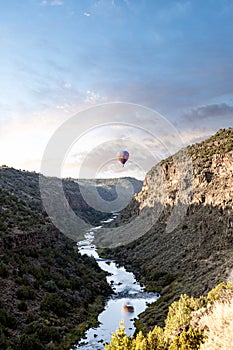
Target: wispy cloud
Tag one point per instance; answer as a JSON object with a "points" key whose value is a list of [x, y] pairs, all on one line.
{"points": [[209, 111], [52, 3], [87, 14], [93, 98], [67, 86], [57, 3]]}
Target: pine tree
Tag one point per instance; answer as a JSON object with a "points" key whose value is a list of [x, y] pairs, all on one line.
{"points": [[140, 342], [119, 340], [155, 339]]}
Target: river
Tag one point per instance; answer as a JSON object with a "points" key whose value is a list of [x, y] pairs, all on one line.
{"points": [[127, 302]]}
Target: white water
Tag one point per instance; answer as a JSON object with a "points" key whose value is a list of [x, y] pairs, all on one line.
{"points": [[127, 291]]}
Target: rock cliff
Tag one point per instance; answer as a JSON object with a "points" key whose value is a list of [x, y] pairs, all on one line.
{"points": [[189, 247]]}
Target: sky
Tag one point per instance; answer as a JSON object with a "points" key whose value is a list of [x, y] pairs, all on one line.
{"points": [[59, 58]]}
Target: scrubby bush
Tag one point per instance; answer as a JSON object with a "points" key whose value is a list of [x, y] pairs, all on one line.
{"points": [[179, 314], [43, 332], [155, 339], [38, 272], [29, 342], [188, 340], [7, 319], [53, 302], [50, 286], [25, 292], [119, 340], [192, 323], [223, 292], [4, 273], [4, 343], [22, 306], [21, 280]]}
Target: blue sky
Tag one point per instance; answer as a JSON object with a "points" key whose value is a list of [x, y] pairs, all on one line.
{"points": [[59, 57]]}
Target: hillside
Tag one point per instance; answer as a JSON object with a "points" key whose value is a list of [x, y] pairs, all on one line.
{"points": [[108, 186], [49, 293], [24, 186], [196, 254]]}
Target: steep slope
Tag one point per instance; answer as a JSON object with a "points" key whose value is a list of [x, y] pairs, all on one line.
{"points": [[197, 254], [49, 293], [25, 186], [107, 187]]}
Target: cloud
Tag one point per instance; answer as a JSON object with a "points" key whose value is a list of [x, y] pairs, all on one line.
{"points": [[209, 111], [193, 135], [67, 86], [52, 3], [93, 98], [56, 3], [87, 14], [94, 156], [147, 136]]}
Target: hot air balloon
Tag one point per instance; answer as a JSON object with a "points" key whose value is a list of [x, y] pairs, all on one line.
{"points": [[123, 157]]}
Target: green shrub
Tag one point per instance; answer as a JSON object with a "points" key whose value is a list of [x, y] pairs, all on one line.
{"points": [[30, 318], [178, 333], [50, 286], [25, 292], [44, 333], [53, 302], [4, 273], [3, 227], [158, 274], [190, 340], [21, 280], [22, 306], [223, 291], [47, 334], [29, 342], [38, 272], [7, 319], [4, 344], [179, 314], [155, 339], [119, 340], [168, 279], [64, 283]]}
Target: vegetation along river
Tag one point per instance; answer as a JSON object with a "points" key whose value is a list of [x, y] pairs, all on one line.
{"points": [[127, 302]]}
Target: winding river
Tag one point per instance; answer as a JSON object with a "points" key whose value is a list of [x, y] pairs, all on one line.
{"points": [[129, 300]]}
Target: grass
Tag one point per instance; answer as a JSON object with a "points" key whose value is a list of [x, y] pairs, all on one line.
{"points": [[219, 325]]}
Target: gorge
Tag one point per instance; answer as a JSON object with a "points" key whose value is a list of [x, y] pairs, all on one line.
{"points": [[50, 294]]}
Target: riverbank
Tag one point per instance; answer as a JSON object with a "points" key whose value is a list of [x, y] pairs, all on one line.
{"points": [[49, 295], [192, 323], [196, 254], [129, 299], [166, 284]]}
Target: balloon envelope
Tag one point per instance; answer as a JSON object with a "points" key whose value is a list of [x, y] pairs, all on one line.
{"points": [[123, 156]]}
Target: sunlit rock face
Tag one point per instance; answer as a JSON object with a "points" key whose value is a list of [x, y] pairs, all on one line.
{"points": [[198, 249]]}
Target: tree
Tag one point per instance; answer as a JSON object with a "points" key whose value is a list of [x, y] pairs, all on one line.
{"points": [[119, 340]]}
